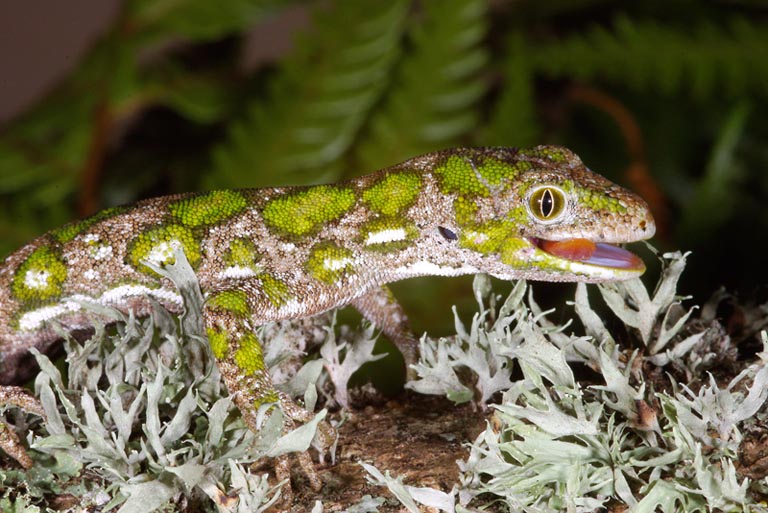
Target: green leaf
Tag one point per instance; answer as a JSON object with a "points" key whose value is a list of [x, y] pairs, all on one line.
{"points": [[316, 104], [513, 119], [716, 196], [200, 20], [433, 100], [198, 98], [45, 152], [647, 55]]}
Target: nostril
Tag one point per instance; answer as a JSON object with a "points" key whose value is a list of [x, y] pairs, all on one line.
{"points": [[642, 225]]}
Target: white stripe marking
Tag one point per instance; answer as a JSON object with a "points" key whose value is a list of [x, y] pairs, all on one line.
{"points": [[384, 236]]}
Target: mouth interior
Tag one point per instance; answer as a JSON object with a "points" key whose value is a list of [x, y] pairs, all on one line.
{"points": [[588, 252]]}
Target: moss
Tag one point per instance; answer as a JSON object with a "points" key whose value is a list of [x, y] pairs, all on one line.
{"points": [[307, 211], [40, 277]]}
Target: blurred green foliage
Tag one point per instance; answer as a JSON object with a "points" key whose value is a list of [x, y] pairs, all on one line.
{"points": [[666, 98]]}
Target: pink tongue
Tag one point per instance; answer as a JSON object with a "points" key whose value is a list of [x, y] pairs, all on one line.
{"points": [[584, 250], [607, 255]]}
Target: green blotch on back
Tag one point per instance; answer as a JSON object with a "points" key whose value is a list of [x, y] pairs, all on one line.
{"points": [[474, 178], [305, 212], [241, 253], [40, 277], [329, 262], [71, 230], [219, 341], [457, 175], [496, 172], [393, 193], [249, 356], [209, 208], [465, 209], [232, 301], [156, 245], [276, 291], [382, 226]]}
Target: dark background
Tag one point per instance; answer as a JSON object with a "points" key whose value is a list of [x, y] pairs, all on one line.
{"points": [[106, 102]]}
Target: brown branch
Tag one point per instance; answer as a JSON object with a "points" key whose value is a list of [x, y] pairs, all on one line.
{"points": [[637, 172], [90, 182]]}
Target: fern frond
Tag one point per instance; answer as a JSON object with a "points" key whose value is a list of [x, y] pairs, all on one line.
{"points": [[513, 121], [318, 101], [198, 20], [41, 158], [433, 100], [645, 55]]}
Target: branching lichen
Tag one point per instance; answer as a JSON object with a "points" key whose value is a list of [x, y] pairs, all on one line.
{"points": [[144, 411], [558, 444]]}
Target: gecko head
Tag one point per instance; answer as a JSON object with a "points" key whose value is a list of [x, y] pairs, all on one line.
{"points": [[545, 215]]}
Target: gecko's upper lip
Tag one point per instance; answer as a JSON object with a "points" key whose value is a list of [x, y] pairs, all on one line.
{"points": [[591, 253]]}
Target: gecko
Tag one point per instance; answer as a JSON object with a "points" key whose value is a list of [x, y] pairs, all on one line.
{"points": [[284, 253]]}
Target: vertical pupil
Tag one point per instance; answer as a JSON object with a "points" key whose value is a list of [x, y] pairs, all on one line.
{"points": [[547, 203]]}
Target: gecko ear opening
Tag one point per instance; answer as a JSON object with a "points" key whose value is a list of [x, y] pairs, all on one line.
{"points": [[446, 233]]}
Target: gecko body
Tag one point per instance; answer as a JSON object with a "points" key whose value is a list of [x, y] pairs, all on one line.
{"points": [[283, 253]]}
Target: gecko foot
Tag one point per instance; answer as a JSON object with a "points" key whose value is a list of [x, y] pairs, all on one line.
{"points": [[9, 440], [325, 438]]}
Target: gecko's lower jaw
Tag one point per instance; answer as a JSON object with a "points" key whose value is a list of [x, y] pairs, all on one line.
{"points": [[598, 254]]}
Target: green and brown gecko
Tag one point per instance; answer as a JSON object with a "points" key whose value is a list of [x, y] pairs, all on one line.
{"points": [[284, 253]]}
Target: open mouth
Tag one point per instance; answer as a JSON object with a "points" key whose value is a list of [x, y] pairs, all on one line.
{"points": [[591, 253]]}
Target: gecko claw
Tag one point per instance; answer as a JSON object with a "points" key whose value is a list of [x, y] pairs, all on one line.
{"points": [[9, 440]]}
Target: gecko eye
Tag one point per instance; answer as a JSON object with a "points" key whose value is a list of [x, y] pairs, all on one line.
{"points": [[547, 203], [446, 233]]}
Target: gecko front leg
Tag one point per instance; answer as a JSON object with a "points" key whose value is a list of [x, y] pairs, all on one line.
{"points": [[9, 441], [228, 322], [381, 308]]}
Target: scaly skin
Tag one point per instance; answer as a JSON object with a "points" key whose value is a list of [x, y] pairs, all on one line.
{"points": [[285, 253]]}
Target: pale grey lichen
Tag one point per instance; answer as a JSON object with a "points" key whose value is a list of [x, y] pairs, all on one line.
{"points": [[143, 408], [557, 444]]}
